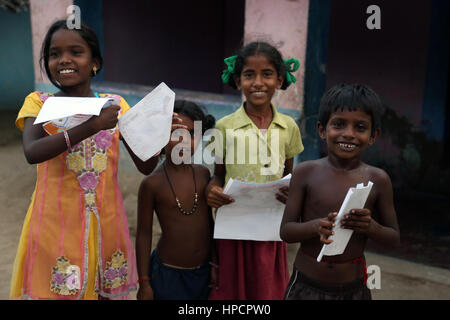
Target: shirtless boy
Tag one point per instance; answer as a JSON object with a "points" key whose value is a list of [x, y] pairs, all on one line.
{"points": [[349, 121], [180, 268]]}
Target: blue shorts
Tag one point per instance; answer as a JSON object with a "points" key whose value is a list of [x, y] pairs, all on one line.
{"points": [[178, 284]]}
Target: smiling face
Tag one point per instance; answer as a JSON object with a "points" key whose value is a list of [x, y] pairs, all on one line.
{"points": [[187, 140], [70, 60], [258, 81], [348, 133]]}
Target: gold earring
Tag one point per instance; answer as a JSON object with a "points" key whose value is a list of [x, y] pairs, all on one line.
{"points": [[95, 71]]}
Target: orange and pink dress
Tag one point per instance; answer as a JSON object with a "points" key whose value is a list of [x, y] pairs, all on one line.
{"points": [[75, 241]]}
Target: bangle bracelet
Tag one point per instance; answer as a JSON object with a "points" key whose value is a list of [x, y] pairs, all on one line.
{"points": [[143, 279], [66, 136], [215, 265]]}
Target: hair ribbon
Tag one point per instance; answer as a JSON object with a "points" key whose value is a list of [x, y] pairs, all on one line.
{"points": [[292, 65], [229, 71]]}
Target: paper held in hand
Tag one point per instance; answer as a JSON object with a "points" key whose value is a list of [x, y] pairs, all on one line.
{"points": [[146, 127], [355, 199], [255, 213], [60, 108]]}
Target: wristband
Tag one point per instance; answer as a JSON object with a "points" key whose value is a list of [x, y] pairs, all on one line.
{"points": [[66, 136]]}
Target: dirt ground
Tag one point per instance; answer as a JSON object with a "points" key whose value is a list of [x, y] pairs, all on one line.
{"points": [[17, 183]]}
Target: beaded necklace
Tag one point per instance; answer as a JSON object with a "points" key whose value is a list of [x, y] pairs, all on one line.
{"points": [[194, 208]]}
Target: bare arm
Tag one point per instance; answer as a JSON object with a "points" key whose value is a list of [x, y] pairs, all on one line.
{"points": [[214, 282], [211, 219], [144, 235], [218, 178], [146, 167], [283, 195], [291, 229], [214, 259], [288, 166], [386, 231], [39, 147], [213, 242]]}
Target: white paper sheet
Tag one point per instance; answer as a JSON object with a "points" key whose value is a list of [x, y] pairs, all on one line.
{"points": [[62, 107], [146, 127], [355, 199], [255, 215]]}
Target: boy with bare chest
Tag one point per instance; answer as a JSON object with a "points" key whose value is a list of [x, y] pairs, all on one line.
{"points": [[179, 268], [349, 118]]}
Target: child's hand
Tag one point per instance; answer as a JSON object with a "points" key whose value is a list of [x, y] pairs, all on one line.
{"points": [[282, 196], [145, 292], [107, 118], [176, 123], [216, 198], [358, 220], [325, 227]]}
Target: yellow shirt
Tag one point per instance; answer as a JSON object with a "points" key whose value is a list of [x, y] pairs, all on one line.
{"points": [[252, 155]]}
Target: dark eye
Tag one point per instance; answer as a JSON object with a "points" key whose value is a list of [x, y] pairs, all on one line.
{"points": [[361, 127], [53, 54], [268, 74], [247, 75], [337, 124]]}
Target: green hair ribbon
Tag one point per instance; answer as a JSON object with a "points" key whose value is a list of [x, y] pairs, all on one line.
{"points": [[292, 65], [229, 71]]}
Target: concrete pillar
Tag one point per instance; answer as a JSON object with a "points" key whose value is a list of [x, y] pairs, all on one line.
{"points": [[43, 14], [16, 60], [284, 24]]}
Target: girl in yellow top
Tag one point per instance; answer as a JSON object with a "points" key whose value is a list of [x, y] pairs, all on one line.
{"points": [[75, 242], [253, 270]]}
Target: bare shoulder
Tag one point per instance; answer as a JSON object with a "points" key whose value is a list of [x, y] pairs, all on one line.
{"points": [[381, 181], [308, 167], [202, 169], [152, 181], [305, 172], [203, 172], [378, 175]]}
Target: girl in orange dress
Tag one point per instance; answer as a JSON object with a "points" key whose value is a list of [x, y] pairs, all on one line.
{"points": [[75, 242]]}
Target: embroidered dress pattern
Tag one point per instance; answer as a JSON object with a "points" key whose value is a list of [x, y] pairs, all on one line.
{"points": [[88, 160], [65, 278], [116, 271]]}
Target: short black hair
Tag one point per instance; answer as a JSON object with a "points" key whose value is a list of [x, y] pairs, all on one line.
{"points": [[253, 49], [195, 113], [351, 97], [85, 32]]}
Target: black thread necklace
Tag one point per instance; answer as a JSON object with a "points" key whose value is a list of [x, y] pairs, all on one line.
{"points": [[194, 208]]}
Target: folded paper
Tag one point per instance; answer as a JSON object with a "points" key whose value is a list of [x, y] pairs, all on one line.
{"points": [[254, 215], [355, 199], [146, 127]]}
